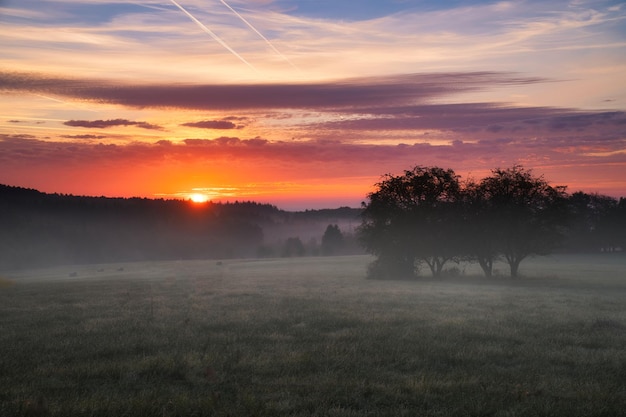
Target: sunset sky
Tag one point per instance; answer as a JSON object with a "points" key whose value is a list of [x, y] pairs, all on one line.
{"points": [[305, 104]]}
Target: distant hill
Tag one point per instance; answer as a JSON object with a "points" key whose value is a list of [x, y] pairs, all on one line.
{"points": [[40, 229]]}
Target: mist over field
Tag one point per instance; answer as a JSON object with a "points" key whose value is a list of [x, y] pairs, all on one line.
{"points": [[40, 229], [310, 336], [50, 229]]}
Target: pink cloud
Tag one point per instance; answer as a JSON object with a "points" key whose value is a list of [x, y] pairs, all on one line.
{"points": [[213, 124], [371, 91]]}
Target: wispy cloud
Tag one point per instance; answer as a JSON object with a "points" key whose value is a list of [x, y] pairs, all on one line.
{"points": [[485, 118], [83, 136], [394, 109], [369, 91], [213, 124], [103, 124], [150, 40], [337, 157]]}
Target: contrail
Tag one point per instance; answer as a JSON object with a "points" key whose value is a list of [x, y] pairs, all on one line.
{"points": [[258, 33], [213, 35], [64, 102], [49, 98]]}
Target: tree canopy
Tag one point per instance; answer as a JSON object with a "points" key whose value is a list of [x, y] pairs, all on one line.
{"points": [[428, 216], [521, 214], [410, 219]]}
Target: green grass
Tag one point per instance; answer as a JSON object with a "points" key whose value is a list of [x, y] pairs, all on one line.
{"points": [[312, 337]]}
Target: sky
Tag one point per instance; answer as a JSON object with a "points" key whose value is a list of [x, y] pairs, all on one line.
{"points": [[306, 104]]}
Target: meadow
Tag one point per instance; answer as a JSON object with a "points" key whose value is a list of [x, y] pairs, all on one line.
{"points": [[313, 337]]}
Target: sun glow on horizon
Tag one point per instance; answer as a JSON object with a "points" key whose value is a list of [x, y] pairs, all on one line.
{"points": [[198, 198]]}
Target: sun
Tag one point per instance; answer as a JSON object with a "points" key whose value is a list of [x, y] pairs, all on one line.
{"points": [[199, 198]]}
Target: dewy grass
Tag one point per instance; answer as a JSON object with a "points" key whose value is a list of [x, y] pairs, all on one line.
{"points": [[312, 337]]}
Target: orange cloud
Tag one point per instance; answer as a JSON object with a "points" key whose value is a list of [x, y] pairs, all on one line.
{"points": [[213, 124], [277, 171]]}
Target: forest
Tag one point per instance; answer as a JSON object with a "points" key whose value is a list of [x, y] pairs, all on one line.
{"points": [[40, 229]]}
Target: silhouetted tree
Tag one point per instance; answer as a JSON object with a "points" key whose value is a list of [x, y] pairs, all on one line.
{"points": [[479, 243], [620, 223], [412, 218], [523, 214], [593, 223], [332, 240]]}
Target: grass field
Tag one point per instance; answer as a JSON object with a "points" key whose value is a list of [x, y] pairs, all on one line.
{"points": [[312, 337]]}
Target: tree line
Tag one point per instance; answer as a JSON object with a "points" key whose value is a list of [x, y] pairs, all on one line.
{"points": [[41, 229], [429, 216], [425, 217]]}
